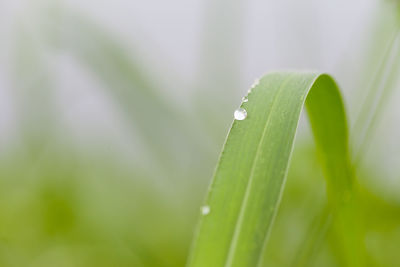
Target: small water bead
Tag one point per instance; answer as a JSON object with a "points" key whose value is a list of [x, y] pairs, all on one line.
{"points": [[205, 210], [245, 99], [240, 114], [256, 82]]}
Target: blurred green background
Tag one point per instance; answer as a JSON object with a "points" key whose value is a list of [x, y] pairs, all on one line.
{"points": [[113, 114]]}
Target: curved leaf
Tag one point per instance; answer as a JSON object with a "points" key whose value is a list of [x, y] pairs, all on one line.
{"points": [[250, 175]]}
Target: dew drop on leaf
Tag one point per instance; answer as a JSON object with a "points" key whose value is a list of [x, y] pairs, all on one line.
{"points": [[205, 210], [256, 82], [240, 114], [245, 99]]}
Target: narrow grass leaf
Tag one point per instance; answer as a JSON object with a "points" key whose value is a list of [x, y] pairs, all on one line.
{"points": [[245, 193]]}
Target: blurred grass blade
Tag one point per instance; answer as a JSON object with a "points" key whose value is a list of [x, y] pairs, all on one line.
{"points": [[165, 129], [250, 176], [316, 235], [222, 38], [33, 90], [377, 94]]}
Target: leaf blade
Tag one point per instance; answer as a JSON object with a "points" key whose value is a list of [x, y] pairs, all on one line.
{"points": [[251, 172]]}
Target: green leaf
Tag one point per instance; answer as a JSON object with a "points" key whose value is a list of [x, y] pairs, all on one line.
{"points": [[250, 176]]}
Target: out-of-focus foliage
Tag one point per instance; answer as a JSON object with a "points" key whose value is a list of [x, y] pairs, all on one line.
{"points": [[133, 199]]}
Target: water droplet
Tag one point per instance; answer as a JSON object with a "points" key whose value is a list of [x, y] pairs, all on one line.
{"points": [[256, 82], [245, 99], [205, 210], [240, 114]]}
